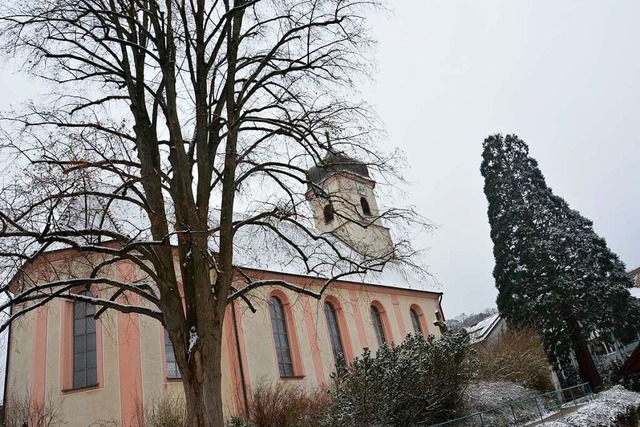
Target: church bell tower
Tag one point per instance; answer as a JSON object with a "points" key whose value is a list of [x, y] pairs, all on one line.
{"points": [[343, 203]]}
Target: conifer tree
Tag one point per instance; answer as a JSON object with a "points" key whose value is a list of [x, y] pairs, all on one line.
{"points": [[553, 272]]}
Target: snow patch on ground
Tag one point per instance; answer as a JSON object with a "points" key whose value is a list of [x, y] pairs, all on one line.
{"points": [[603, 411], [487, 395]]}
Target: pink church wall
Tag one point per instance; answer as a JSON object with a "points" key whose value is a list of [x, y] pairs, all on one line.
{"points": [[127, 380]]}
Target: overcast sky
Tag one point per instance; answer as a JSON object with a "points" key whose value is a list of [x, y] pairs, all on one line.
{"points": [[563, 75]]}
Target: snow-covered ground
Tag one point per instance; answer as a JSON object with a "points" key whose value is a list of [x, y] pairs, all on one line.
{"points": [[492, 396], [487, 395], [603, 411], [607, 408]]}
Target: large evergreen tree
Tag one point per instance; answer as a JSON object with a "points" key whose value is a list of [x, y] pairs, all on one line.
{"points": [[552, 270]]}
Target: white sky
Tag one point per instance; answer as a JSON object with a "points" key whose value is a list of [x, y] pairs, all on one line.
{"points": [[563, 75]]}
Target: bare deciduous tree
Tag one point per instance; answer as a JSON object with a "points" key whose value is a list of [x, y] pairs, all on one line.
{"points": [[166, 117]]}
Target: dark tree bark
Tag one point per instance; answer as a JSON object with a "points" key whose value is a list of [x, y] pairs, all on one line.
{"points": [[587, 368]]}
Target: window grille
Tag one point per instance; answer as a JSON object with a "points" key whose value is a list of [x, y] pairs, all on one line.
{"points": [[281, 337], [334, 332], [85, 358], [377, 325], [415, 320], [170, 358]]}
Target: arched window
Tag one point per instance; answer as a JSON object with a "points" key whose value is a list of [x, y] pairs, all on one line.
{"points": [[281, 337], [334, 332], [85, 359], [377, 325], [328, 213], [415, 320], [365, 206], [173, 371]]}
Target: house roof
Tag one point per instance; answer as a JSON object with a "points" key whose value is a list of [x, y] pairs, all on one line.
{"points": [[382, 280], [634, 272], [632, 364], [482, 329], [635, 292]]}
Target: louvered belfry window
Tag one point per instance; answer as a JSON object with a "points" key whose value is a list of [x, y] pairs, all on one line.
{"points": [[328, 213], [364, 204]]}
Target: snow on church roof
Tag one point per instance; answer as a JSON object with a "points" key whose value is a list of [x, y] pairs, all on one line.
{"points": [[257, 247]]}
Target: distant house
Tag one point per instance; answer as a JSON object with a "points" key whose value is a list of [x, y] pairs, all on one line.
{"points": [[635, 274], [487, 330], [632, 365], [606, 352]]}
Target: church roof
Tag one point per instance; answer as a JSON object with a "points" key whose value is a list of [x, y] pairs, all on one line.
{"points": [[257, 247], [335, 162]]}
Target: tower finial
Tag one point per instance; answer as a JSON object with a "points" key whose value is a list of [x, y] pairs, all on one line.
{"points": [[326, 135]]}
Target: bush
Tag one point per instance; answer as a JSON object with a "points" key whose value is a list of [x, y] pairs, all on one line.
{"points": [[568, 375], [517, 356], [286, 405], [610, 372], [419, 381], [236, 421], [21, 411], [170, 411]]}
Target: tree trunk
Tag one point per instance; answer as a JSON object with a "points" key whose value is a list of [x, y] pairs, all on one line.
{"points": [[588, 371], [203, 383]]}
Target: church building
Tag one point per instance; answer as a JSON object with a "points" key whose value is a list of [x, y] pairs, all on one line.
{"points": [[107, 370]]}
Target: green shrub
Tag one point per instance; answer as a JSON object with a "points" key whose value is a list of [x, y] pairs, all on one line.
{"points": [[419, 381]]}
